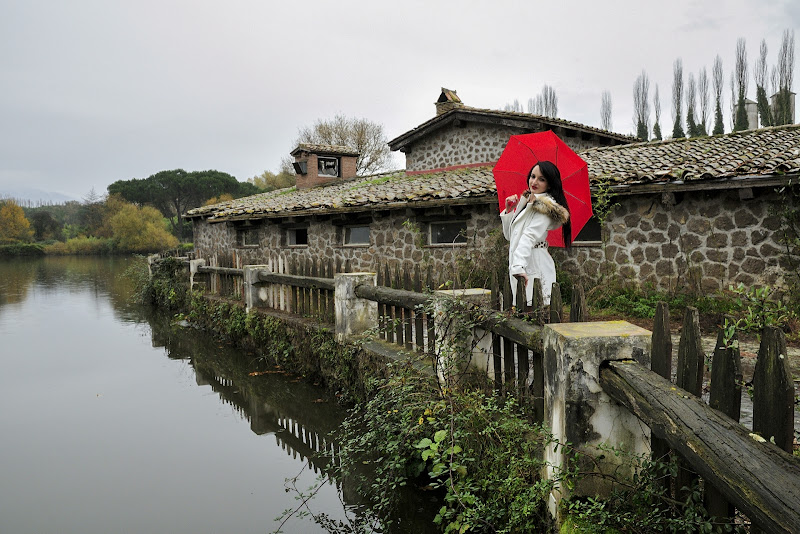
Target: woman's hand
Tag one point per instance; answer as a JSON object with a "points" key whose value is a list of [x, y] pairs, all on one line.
{"points": [[511, 203], [523, 277]]}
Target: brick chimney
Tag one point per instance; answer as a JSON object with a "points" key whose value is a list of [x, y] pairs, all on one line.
{"points": [[447, 100], [321, 164]]}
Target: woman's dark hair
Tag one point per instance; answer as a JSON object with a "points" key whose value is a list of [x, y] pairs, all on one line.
{"points": [[555, 188]]}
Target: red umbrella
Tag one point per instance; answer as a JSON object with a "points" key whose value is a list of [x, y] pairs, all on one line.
{"points": [[523, 152]]}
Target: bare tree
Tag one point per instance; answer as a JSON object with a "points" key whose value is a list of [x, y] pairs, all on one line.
{"points": [[605, 110], [784, 114], [549, 102], [741, 81], [719, 81], [760, 77], [677, 98], [641, 106], [657, 111], [365, 136], [515, 106], [691, 98], [702, 94]]}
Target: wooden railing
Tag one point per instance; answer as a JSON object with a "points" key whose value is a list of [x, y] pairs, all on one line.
{"points": [[740, 468]]}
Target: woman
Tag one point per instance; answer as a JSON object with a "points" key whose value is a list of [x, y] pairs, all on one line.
{"points": [[527, 220]]}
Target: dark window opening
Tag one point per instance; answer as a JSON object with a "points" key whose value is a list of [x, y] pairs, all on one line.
{"points": [[298, 237], [447, 233], [591, 232], [327, 166]]}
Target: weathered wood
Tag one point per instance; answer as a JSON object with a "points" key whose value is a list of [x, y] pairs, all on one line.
{"points": [[556, 305], [388, 327], [429, 317], [537, 304], [397, 313], [230, 271], [508, 344], [408, 313], [419, 327], [314, 292], [758, 478], [391, 297], [773, 390], [296, 280], [577, 309], [661, 364], [520, 350], [690, 354], [293, 290], [725, 397], [689, 377], [497, 346]]}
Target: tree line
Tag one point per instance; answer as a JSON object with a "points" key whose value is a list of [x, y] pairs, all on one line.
{"points": [[692, 96]]}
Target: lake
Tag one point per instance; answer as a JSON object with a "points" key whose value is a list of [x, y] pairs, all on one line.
{"points": [[114, 419]]}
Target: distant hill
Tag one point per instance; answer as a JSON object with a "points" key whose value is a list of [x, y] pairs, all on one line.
{"points": [[30, 197]]}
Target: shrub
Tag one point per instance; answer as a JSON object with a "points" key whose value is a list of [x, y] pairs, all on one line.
{"points": [[81, 246]]}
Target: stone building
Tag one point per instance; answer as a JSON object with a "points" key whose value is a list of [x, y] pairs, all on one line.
{"points": [[689, 213]]}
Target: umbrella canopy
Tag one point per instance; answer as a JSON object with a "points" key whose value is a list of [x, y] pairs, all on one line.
{"points": [[522, 153]]}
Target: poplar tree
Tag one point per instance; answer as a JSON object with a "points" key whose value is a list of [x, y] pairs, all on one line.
{"points": [[657, 110], [760, 77], [641, 106], [740, 81], [605, 111], [718, 80], [691, 125], [677, 98], [785, 78]]}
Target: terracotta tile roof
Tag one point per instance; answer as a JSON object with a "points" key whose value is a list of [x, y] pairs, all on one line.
{"points": [[767, 151], [325, 149], [489, 114], [380, 190]]}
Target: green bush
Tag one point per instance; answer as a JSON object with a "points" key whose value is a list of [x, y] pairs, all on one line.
{"points": [[21, 249], [81, 246]]}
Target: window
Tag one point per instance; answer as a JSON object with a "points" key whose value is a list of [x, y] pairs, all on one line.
{"points": [[356, 235], [590, 233], [297, 237], [327, 166], [247, 237], [448, 233]]}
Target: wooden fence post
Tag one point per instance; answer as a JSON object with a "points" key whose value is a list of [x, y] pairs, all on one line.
{"points": [[689, 377], [773, 391], [661, 364], [556, 306], [577, 309], [726, 397]]}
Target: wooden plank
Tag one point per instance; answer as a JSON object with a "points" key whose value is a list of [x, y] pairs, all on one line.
{"points": [[429, 318], [397, 313], [725, 397], [314, 292], [419, 327], [661, 364], [577, 309], [521, 350], [773, 390], [388, 310], [497, 344], [293, 269], [759, 479], [508, 345], [689, 376], [537, 304], [408, 313], [556, 305]]}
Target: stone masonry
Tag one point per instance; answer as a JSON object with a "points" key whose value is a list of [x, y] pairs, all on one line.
{"points": [[395, 238], [704, 242], [472, 143]]}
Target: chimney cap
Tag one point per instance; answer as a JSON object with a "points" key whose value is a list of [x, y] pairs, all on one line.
{"points": [[448, 95], [335, 150]]}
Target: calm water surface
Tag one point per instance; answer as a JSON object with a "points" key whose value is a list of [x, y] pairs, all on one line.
{"points": [[115, 421]]}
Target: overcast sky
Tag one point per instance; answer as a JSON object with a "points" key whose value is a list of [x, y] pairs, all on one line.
{"points": [[94, 91]]}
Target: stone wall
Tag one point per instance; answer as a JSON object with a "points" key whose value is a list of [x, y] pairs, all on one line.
{"points": [[703, 242], [472, 143], [392, 240]]}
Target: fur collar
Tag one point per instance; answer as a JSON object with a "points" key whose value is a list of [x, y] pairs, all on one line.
{"points": [[547, 205]]}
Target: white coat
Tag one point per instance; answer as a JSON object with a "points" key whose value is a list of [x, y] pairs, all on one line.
{"points": [[526, 230]]}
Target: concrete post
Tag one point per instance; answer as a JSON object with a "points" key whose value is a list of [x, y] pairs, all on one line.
{"points": [[577, 410], [354, 315], [255, 294], [449, 347], [193, 265]]}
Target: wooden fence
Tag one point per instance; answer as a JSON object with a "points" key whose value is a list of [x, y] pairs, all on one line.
{"points": [[753, 472]]}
